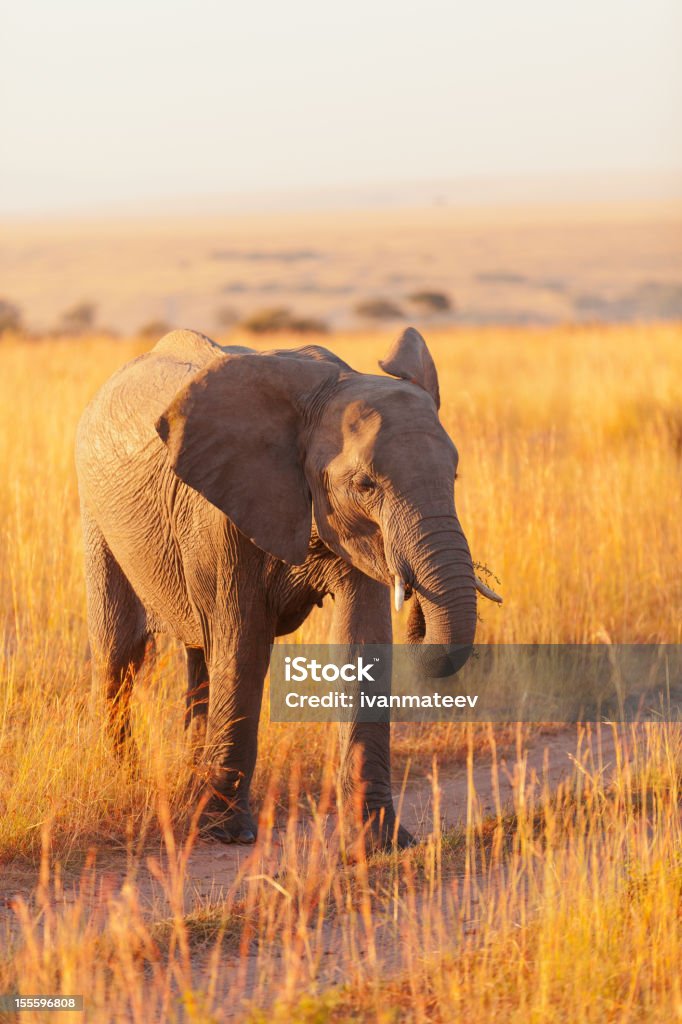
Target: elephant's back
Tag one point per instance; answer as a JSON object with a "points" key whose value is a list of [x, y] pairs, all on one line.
{"points": [[119, 422], [186, 345], [126, 481]]}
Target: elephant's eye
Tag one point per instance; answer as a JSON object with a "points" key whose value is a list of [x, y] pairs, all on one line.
{"points": [[365, 484]]}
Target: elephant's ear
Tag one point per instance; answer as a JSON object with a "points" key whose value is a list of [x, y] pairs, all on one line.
{"points": [[411, 360], [234, 434]]}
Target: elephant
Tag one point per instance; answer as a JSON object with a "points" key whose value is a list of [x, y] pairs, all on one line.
{"points": [[224, 493]]}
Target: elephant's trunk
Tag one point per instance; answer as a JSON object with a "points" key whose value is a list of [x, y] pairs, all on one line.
{"points": [[436, 564]]}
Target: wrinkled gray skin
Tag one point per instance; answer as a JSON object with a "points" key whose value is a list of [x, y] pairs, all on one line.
{"points": [[200, 468]]}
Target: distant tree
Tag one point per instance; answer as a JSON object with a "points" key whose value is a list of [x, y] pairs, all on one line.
{"points": [[379, 309], [265, 321], [279, 318], [431, 302], [153, 330], [308, 325], [10, 317], [226, 316], [78, 319]]}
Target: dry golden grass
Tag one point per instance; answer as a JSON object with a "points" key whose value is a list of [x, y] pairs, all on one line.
{"points": [[571, 466]]}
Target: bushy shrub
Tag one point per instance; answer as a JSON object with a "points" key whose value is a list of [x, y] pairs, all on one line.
{"points": [[10, 317], [78, 319], [278, 318], [154, 329], [379, 309], [431, 302], [226, 316]]}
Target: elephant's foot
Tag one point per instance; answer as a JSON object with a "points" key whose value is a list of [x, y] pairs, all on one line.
{"points": [[234, 825], [382, 832], [234, 828], [404, 839]]}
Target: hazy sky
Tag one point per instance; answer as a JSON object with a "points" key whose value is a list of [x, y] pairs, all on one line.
{"points": [[132, 99]]}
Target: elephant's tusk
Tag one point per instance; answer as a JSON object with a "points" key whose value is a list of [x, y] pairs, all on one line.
{"points": [[399, 593], [486, 591]]}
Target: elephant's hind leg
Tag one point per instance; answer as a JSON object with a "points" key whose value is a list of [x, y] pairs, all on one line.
{"points": [[196, 710], [117, 629]]}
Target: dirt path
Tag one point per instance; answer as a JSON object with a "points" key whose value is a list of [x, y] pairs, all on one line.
{"points": [[547, 760], [213, 868], [332, 951], [334, 945]]}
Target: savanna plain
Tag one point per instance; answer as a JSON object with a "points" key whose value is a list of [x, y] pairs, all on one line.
{"points": [[534, 896]]}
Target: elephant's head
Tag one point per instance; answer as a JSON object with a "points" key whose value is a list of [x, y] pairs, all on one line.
{"points": [[269, 437]]}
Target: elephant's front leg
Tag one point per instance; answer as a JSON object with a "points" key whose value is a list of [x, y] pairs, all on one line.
{"points": [[362, 615], [237, 672]]}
